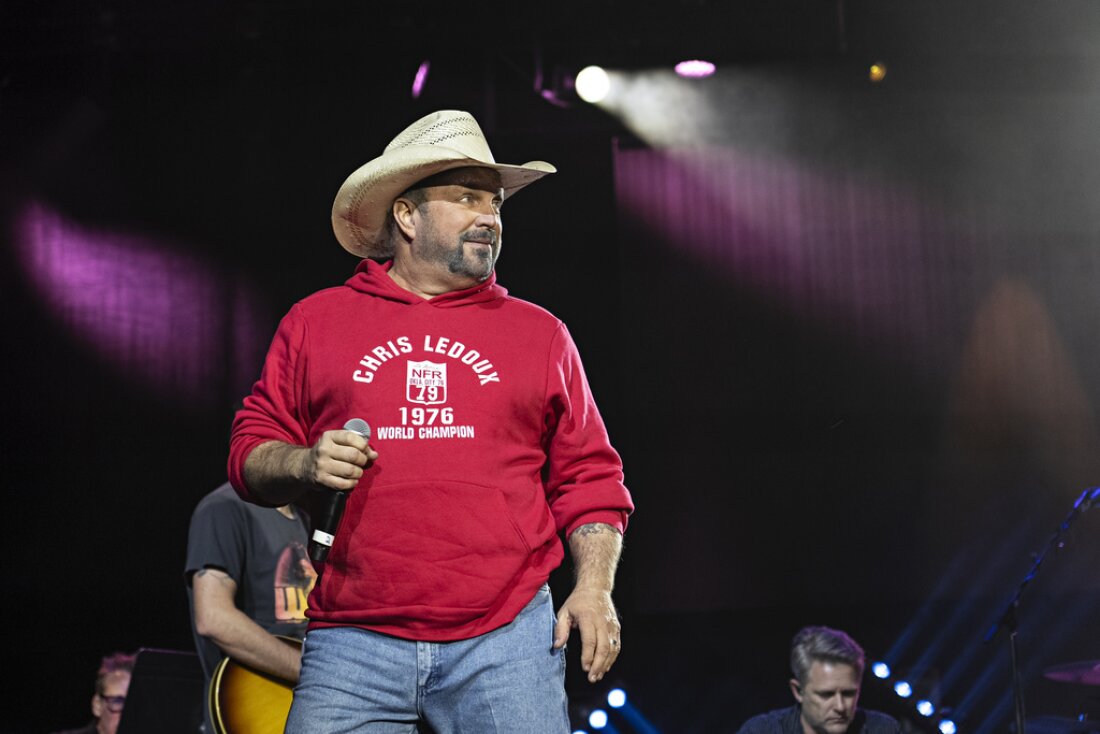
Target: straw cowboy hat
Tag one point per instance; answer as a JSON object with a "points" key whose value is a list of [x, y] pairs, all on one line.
{"points": [[439, 142]]}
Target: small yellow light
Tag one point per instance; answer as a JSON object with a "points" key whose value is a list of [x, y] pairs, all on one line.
{"points": [[877, 72]]}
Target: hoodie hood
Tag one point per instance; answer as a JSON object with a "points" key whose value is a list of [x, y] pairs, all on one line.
{"points": [[373, 278]]}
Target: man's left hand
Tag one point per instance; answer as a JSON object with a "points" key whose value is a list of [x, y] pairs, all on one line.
{"points": [[593, 613]]}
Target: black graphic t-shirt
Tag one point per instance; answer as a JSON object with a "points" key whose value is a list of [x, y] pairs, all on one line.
{"points": [[263, 551]]}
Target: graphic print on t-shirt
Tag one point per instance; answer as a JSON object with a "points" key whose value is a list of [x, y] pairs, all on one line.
{"points": [[294, 579]]}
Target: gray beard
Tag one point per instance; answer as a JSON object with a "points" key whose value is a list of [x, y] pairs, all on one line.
{"points": [[481, 269], [485, 260]]}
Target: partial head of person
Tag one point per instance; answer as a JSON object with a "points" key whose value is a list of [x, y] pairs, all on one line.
{"points": [[827, 666], [432, 202], [112, 682]]}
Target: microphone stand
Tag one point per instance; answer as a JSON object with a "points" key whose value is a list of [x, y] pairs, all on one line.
{"points": [[1009, 619]]}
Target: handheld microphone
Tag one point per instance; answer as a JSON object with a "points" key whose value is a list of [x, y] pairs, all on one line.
{"points": [[330, 508]]}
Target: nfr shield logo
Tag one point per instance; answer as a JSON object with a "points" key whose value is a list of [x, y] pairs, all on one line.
{"points": [[427, 383]]}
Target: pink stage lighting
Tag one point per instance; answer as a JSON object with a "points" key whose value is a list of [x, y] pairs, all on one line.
{"points": [[695, 69], [163, 318], [421, 78]]}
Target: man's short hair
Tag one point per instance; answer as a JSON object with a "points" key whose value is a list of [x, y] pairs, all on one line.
{"points": [[824, 645], [116, 662]]}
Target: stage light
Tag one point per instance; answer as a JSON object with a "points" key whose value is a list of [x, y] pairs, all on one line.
{"points": [[695, 69], [579, 731], [877, 72], [903, 689], [947, 726], [925, 707], [421, 78], [881, 670], [597, 719], [592, 84], [616, 698]]}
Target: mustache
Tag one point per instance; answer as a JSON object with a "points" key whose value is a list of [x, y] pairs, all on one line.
{"points": [[485, 236]]}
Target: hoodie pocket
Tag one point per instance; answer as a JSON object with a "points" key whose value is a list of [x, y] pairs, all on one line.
{"points": [[446, 551]]}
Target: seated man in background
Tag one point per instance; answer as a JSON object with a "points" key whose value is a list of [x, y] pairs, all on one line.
{"points": [[248, 576], [112, 681], [828, 669]]}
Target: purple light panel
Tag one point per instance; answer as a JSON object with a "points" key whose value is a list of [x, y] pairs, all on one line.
{"points": [[861, 256], [159, 317]]}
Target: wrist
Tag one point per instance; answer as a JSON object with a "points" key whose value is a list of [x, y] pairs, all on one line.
{"points": [[592, 587], [298, 464]]}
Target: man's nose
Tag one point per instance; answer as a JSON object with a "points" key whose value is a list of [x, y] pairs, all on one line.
{"points": [[488, 219]]}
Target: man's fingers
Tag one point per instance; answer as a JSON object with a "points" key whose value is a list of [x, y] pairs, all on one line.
{"points": [[562, 629], [599, 660], [350, 438], [342, 484], [589, 643], [351, 455], [607, 650], [360, 453], [339, 458], [599, 629]]}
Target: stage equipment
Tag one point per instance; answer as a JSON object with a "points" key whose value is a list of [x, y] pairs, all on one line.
{"points": [[1061, 725], [166, 693], [1086, 672], [1009, 619]]}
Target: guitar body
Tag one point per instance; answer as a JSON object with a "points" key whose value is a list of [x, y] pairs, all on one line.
{"points": [[243, 700]]}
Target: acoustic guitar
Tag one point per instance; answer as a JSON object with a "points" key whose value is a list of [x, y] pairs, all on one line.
{"points": [[243, 700]]}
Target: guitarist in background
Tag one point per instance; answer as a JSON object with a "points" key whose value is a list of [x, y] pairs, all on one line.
{"points": [[248, 575]]}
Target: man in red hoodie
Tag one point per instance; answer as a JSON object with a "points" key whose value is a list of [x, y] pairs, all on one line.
{"points": [[432, 606]]}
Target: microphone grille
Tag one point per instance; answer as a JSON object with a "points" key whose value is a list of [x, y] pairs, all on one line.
{"points": [[360, 426]]}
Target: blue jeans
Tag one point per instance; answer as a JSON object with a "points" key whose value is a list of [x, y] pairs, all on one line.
{"points": [[508, 681]]}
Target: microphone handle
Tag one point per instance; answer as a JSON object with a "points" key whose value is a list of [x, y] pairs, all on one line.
{"points": [[331, 510]]}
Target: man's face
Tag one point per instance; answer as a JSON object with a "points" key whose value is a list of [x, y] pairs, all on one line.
{"points": [[458, 226], [107, 706], [828, 697]]}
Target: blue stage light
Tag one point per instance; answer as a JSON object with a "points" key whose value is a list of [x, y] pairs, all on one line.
{"points": [[947, 726], [925, 707], [881, 670], [903, 689], [616, 698], [597, 719], [579, 731]]}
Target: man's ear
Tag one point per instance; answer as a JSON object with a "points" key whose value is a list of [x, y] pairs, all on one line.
{"points": [[403, 210], [97, 705], [796, 690]]}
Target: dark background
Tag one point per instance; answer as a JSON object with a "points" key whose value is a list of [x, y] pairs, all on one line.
{"points": [[843, 333]]}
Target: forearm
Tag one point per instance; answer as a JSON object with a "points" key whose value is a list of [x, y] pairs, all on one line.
{"points": [[274, 472], [218, 619], [246, 642], [596, 548]]}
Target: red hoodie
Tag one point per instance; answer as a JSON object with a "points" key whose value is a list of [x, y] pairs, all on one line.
{"points": [[489, 444]]}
